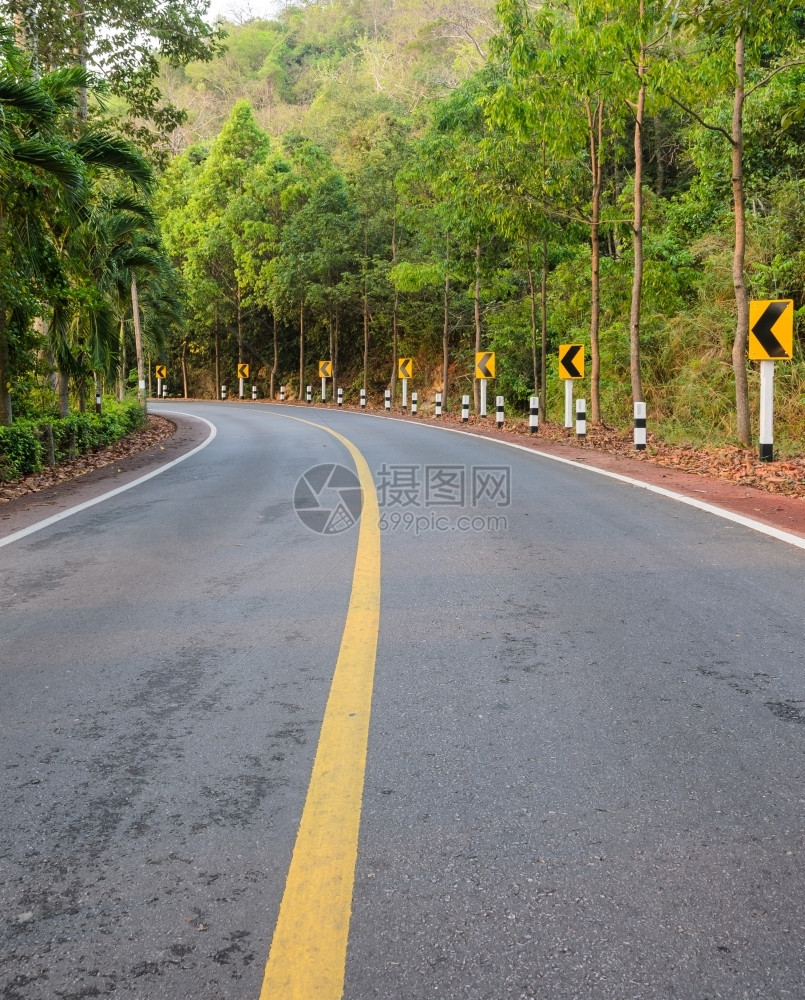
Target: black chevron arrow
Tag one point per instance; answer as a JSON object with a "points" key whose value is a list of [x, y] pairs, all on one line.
{"points": [[404, 369], [482, 366], [567, 361], [763, 327]]}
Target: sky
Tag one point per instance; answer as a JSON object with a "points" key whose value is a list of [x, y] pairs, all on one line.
{"points": [[241, 10]]}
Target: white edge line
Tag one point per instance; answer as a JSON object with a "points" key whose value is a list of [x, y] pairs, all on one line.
{"points": [[747, 522], [120, 489]]}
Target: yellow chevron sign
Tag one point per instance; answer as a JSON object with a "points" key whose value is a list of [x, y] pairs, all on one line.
{"points": [[243, 371], [771, 330], [571, 361], [325, 369], [405, 367], [161, 371]]}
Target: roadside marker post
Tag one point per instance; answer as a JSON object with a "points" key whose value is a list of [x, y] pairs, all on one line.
{"points": [[766, 435], [640, 426], [500, 414], [325, 372], [405, 370], [340, 397], [465, 409], [98, 400], [413, 404], [223, 391], [771, 339], [387, 400], [581, 418], [243, 374], [438, 404], [254, 392], [363, 399], [164, 394], [571, 367], [309, 394], [282, 393], [484, 369], [533, 415]]}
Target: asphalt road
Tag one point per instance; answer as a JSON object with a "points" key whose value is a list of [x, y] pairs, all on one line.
{"points": [[585, 774]]}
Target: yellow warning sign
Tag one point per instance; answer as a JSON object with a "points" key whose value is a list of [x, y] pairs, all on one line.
{"points": [[325, 369], [771, 330], [571, 361], [485, 364], [405, 367], [161, 371], [243, 371]]}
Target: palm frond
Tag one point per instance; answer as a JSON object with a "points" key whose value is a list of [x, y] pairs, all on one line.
{"points": [[99, 148]]}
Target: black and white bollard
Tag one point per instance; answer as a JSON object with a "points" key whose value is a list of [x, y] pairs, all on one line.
{"points": [[164, 394], [310, 394], [223, 392], [581, 418], [568, 402], [500, 416], [413, 404], [438, 404], [533, 415], [766, 429], [363, 399], [340, 397], [254, 392], [640, 426], [465, 409], [388, 400], [98, 401], [282, 393]]}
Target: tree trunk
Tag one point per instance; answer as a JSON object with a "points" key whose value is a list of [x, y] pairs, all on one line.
{"points": [[64, 394], [366, 313], [477, 306], [121, 366], [217, 360], [138, 344], [543, 361], [596, 123], [395, 338], [532, 295], [184, 367], [274, 359], [741, 298], [80, 16], [446, 331], [637, 228], [301, 350], [6, 415]]}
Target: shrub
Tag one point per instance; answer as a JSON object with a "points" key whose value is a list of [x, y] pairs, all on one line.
{"points": [[21, 445]]}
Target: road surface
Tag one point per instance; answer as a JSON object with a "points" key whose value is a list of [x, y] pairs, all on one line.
{"points": [[584, 775]]}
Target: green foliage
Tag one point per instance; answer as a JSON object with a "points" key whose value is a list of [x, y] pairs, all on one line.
{"points": [[25, 446]]}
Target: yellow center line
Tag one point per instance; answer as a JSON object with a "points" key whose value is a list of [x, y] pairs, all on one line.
{"points": [[308, 953]]}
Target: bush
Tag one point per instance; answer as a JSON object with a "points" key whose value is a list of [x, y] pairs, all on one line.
{"points": [[22, 449]]}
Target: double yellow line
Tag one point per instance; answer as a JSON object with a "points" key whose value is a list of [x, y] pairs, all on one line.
{"points": [[309, 949]]}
